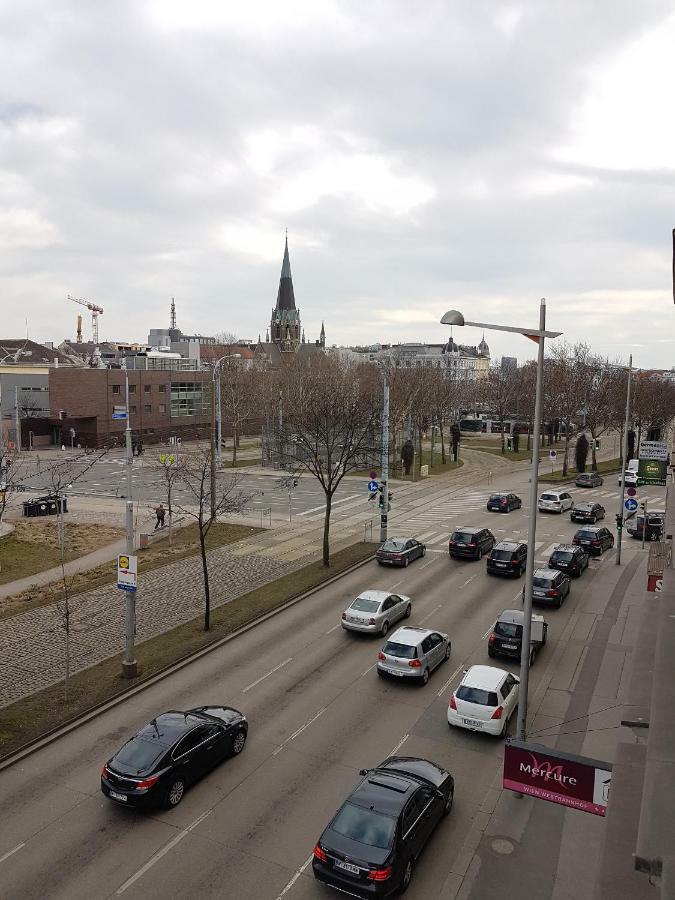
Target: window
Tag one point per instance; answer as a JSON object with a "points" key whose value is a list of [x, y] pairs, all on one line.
{"points": [[189, 398], [412, 812], [365, 826], [476, 695], [162, 407], [141, 755], [147, 388], [363, 604], [147, 408], [132, 388], [190, 741], [132, 410], [117, 388], [162, 389]]}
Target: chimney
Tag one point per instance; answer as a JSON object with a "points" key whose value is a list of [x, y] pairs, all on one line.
{"points": [[56, 362]]}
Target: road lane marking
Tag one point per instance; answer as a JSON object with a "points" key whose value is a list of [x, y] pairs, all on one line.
{"points": [[399, 745], [370, 669], [447, 683], [263, 677], [299, 731], [295, 877], [306, 512], [160, 853], [486, 634], [429, 615], [12, 852], [331, 630], [468, 580]]}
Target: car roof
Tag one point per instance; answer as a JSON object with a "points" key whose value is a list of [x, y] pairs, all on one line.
{"points": [[591, 528], [508, 545], [550, 574], [469, 529], [567, 548], [383, 791], [373, 595], [515, 616], [398, 540], [556, 493], [486, 677], [410, 635], [415, 766], [169, 727]]}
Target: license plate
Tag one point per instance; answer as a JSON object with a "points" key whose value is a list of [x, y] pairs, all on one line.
{"points": [[116, 796], [472, 723], [348, 867], [509, 646], [501, 565]]}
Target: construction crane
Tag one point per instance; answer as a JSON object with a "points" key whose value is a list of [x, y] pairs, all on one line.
{"points": [[95, 311], [79, 328]]}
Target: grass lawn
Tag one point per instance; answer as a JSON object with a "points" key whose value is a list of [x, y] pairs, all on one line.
{"points": [[33, 546], [395, 471], [185, 542], [607, 466], [27, 719]]}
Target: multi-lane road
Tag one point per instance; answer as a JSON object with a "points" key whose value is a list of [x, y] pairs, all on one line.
{"points": [[318, 713]]}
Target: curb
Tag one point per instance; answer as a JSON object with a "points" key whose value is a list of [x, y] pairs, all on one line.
{"points": [[93, 712]]}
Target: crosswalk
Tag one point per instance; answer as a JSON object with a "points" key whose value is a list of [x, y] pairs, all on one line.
{"points": [[455, 508]]}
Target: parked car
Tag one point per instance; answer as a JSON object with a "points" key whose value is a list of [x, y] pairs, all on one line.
{"points": [[376, 611], [503, 502], [550, 587], [506, 637], [372, 843], [507, 558], [569, 558], [587, 512], [654, 528], [174, 750], [484, 701], [470, 543], [555, 501], [399, 551], [589, 479], [630, 478], [413, 653], [595, 539]]}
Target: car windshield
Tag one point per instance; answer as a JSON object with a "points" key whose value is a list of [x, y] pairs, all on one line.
{"points": [[587, 535], [362, 604], [498, 496], [562, 556], [139, 755], [548, 497], [583, 507], [501, 554], [404, 651], [365, 826], [476, 695], [463, 537], [541, 582], [394, 545], [508, 629]]}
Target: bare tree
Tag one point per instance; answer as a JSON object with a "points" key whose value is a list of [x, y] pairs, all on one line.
{"points": [[170, 467], [228, 338], [29, 407], [330, 426], [601, 379], [195, 476], [239, 398], [565, 387], [499, 391], [12, 472]]}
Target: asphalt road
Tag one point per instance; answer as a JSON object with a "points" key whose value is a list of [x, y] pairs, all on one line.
{"points": [[317, 711]]}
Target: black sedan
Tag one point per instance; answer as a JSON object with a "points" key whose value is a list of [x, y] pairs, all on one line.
{"points": [[399, 551], [371, 845], [595, 539], [587, 512], [503, 502], [173, 751], [569, 558]]}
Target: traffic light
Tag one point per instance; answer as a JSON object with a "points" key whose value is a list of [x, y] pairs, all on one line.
{"points": [[619, 521], [597, 443]]}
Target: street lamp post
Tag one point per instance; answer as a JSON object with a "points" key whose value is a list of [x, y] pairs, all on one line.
{"points": [[129, 664], [453, 317], [624, 466], [384, 515]]}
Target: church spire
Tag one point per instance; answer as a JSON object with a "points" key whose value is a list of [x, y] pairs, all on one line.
{"points": [[285, 295], [322, 336]]}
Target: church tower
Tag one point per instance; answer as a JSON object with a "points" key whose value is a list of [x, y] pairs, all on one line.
{"points": [[285, 327]]}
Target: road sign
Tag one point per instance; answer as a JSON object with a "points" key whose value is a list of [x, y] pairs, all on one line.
{"points": [[373, 476], [631, 491], [630, 504], [127, 571], [552, 454], [372, 486], [654, 450], [119, 412]]}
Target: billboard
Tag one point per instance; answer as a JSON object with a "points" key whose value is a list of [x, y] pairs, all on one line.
{"points": [[563, 778], [653, 462]]}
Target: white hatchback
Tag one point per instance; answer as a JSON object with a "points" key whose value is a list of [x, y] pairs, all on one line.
{"points": [[555, 501], [485, 700]]}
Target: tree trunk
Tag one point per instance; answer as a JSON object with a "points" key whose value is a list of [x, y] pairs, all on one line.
{"points": [[440, 422], [205, 570], [392, 468], [567, 447], [326, 530], [419, 442], [594, 461], [235, 442], [529, 434], [168, 500]]}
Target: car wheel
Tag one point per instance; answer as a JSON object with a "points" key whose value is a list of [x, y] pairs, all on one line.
{"points": [[447, 809], [502, 733], [406, 562], [407, 876], [384, 629], [491, 653], [480, 554], [174, 792], [425, 676], [408, 611], [447, 653], [238, 743], [424, 551], [533, 653], [521, 570]]}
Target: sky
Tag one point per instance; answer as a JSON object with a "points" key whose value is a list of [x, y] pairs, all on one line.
{"points": [[423, 155]]}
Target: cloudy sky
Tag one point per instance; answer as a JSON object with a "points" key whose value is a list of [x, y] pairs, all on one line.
{"points": [[423, 156]]}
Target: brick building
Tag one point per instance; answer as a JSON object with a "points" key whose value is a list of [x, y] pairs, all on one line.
{"points": [[162, 404]]}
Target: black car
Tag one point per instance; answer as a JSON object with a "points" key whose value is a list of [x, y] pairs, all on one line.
{"points": [[550, 587], [470, 543], [503, 502], [371, 845], [653, 530], [587, 512], [399, 551], [174, 750], [507, 558], [588, 479], [595, 539], [569, 558], [506, 637]]}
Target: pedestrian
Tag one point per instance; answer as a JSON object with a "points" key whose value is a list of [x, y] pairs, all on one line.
{"points": [[159, 512]]}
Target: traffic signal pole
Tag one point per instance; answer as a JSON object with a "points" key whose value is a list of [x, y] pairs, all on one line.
{"points": [[385, 461], [624, 465], [129, 664]]}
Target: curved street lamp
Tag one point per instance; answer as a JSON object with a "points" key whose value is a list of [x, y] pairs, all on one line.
{"points": [[454, 317]]}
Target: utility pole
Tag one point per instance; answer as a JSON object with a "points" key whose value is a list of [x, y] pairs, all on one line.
{"points": [[385, 461], [219, 424], [624, 453], [17, 420], [129, 664], [213, 455]]}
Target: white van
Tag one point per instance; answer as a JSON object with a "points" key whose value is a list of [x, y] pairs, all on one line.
{"points": [[631, 475]]}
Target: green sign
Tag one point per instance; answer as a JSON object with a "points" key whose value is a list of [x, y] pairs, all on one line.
{"points": [[652, 471]]}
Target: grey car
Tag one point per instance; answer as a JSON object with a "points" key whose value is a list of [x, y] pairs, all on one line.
{"points": [[413, 653], [376, 611]]}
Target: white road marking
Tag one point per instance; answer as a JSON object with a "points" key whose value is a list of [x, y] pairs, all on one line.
{"points": [[295, 877], [429, 615], [160, 853], [299, 731], [468, 580], [426, 535], [399, 745], [12, 852], [486, 634], [306, 512], [331, 630], [447, 683], [370, 669], [263, 677]]}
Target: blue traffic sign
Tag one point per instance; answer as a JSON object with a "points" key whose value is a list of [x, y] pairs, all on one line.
{"points": [[630, 504], [373, 486]]}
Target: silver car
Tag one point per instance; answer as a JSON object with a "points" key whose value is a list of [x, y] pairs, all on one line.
{"points": [[413, 653], [376, 611]]}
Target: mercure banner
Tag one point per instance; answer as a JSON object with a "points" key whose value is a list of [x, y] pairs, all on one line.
{"points": [[564, 778]]}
